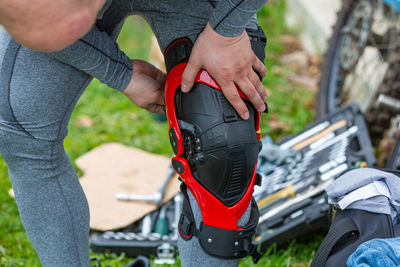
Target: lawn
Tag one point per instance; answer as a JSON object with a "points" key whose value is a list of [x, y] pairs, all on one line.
{"points": [[104, 115]]}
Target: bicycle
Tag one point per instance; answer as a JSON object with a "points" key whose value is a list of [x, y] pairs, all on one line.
{"points": [[362, 65]]}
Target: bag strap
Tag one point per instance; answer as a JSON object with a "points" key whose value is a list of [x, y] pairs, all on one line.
{"points": [[336, 232]]}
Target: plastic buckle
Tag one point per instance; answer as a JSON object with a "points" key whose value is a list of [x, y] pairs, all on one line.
{"points": [[258, 180], [185, 227], [255, 254]]}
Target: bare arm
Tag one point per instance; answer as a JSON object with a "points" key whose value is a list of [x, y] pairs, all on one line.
{"points": [[48, 25]]}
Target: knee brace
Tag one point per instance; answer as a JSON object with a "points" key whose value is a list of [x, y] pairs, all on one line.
{"points": [[215, 156]]}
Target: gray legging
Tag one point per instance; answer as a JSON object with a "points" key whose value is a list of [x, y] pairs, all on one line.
{"points": [[38, 93]]}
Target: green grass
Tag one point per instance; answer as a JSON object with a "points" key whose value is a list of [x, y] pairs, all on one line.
{"points": [[116, 119]]}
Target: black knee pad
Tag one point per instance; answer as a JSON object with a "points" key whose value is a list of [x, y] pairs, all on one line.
{"points": [[220, 147], [216, 156]]}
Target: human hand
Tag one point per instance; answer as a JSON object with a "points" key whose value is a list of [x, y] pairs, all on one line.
{"points": [[230, 61], [146, 88]]}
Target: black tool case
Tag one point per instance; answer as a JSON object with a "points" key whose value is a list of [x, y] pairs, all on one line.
{"points": [[133, 243], [311, 161], [291, 199]]}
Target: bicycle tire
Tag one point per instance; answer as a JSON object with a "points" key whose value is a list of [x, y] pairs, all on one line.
{"points": [[325, 103]]}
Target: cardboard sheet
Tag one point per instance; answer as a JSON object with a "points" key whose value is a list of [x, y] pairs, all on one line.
{"points": [[114, 168]]}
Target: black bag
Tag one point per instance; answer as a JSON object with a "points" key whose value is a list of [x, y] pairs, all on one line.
{"points": [[349, 229]]}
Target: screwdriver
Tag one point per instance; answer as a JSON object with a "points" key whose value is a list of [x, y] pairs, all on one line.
{"points": [[161, 225], [288, 191]]}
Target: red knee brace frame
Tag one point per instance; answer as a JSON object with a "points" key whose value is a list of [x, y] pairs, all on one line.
{"points": [[219, 234], [214, 212]]}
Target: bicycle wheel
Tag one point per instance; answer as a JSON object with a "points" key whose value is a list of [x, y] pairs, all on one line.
{"points": [[394, 162], [362, 64]]}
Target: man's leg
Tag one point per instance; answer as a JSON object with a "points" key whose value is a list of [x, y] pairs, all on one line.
{"points": [[37, 97], [171, 20]]}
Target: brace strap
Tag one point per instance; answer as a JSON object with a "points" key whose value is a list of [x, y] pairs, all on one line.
{"points": [[218, 242]]}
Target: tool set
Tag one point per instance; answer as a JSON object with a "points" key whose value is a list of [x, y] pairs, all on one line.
{"points": [[291, 197]]}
